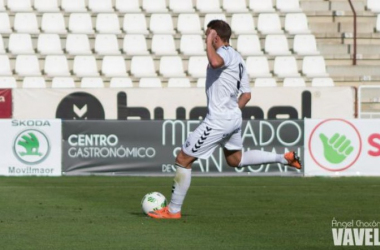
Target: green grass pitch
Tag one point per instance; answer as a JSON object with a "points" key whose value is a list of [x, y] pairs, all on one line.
{"points": [[219, 213]]}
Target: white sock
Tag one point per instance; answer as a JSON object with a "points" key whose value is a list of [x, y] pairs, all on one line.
{"points": [[256, 157], [181, 184]]}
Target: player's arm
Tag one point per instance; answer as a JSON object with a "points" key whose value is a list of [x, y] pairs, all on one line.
{"points": [[214, 59], [244, 99], [245, 89]]}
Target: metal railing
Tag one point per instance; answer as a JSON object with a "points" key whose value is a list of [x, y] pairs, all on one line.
{"points": [[355, 26]]}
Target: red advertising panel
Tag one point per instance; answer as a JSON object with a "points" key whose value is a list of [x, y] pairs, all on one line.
{"points": [[5, 103]]}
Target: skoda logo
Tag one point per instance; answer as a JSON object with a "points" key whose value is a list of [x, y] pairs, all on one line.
{"points": [[31, 146]]}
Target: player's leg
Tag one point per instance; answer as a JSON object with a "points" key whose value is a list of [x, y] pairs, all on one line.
{"points": [[235, 157], [200, 144], [181, 182], [239, 158]]}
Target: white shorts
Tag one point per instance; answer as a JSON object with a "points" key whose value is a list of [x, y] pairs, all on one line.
{"points": [[210, 134]]}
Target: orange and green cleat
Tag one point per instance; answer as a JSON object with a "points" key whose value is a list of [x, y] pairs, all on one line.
{"points": [[293, 160], [164, 213]]}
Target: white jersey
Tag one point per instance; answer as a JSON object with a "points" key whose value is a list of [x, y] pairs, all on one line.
{"points": [[224, 84]]}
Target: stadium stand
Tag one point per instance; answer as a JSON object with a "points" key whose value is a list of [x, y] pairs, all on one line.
{"points": [[34, 82], [61, 33], [8, 82]]}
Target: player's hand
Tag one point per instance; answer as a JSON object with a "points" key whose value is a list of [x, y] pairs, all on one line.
{"points": [[211, 36], [337, 148]]}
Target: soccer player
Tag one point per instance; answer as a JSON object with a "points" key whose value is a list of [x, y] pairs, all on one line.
{"points": [[228, 91]]}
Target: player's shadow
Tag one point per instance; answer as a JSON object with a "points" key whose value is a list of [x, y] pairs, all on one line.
{"points": [[141, 214]]}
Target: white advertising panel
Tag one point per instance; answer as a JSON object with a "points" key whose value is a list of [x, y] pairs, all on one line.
{"points": [[338, 147], [177, 103], [30, 147]]}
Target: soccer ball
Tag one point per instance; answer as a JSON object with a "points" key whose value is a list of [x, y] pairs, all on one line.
{"points": [[153, 201]]}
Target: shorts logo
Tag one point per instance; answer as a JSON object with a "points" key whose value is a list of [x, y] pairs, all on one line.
{"points": [[201, 140]]}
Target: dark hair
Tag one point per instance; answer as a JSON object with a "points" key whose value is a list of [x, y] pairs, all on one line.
{"points": [[222, 28]]}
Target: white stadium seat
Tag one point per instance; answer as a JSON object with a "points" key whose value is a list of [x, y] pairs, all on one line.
{"points": [[249, 45], [163, 45], [265, 82], [100, 6], [373, 5], [128, 6], [377, 23], [235, 6], [2, 48], [78, 44], [322, 82], [73, 5], [106, 44], [269, 23], [171, 66], [80, 23], [92, 82], [63, 82], [135, 24], [154, 6], [143, 66], [27, 65], [208, 6], [276, 45], [181, 6], [49, 44], [258, 66], [26, 23], [53, 23], [8, 82], [85, 66], [152, 82], [56, 65], [201, 82], [179, 83], [121, 82], [46, 5], [294, 82], [2, 5], [305, 45], [34, 82], [197, 66], [20, 5], [296, 23], [114, 66], [189, 24], [5, 25], [161, 24], [261, 6], [5, 66], [243, 24], [20, 44], [285, 66], [107, 23], [135, 45], [288, 5], [210, 17], [314, 66], [192, 45]]}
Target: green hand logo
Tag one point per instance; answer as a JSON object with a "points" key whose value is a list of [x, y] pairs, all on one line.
{"points": [[337, 148], [31, 145]]}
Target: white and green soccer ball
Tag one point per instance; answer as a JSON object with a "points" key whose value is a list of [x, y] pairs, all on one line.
{"points": [[153, 201]]}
